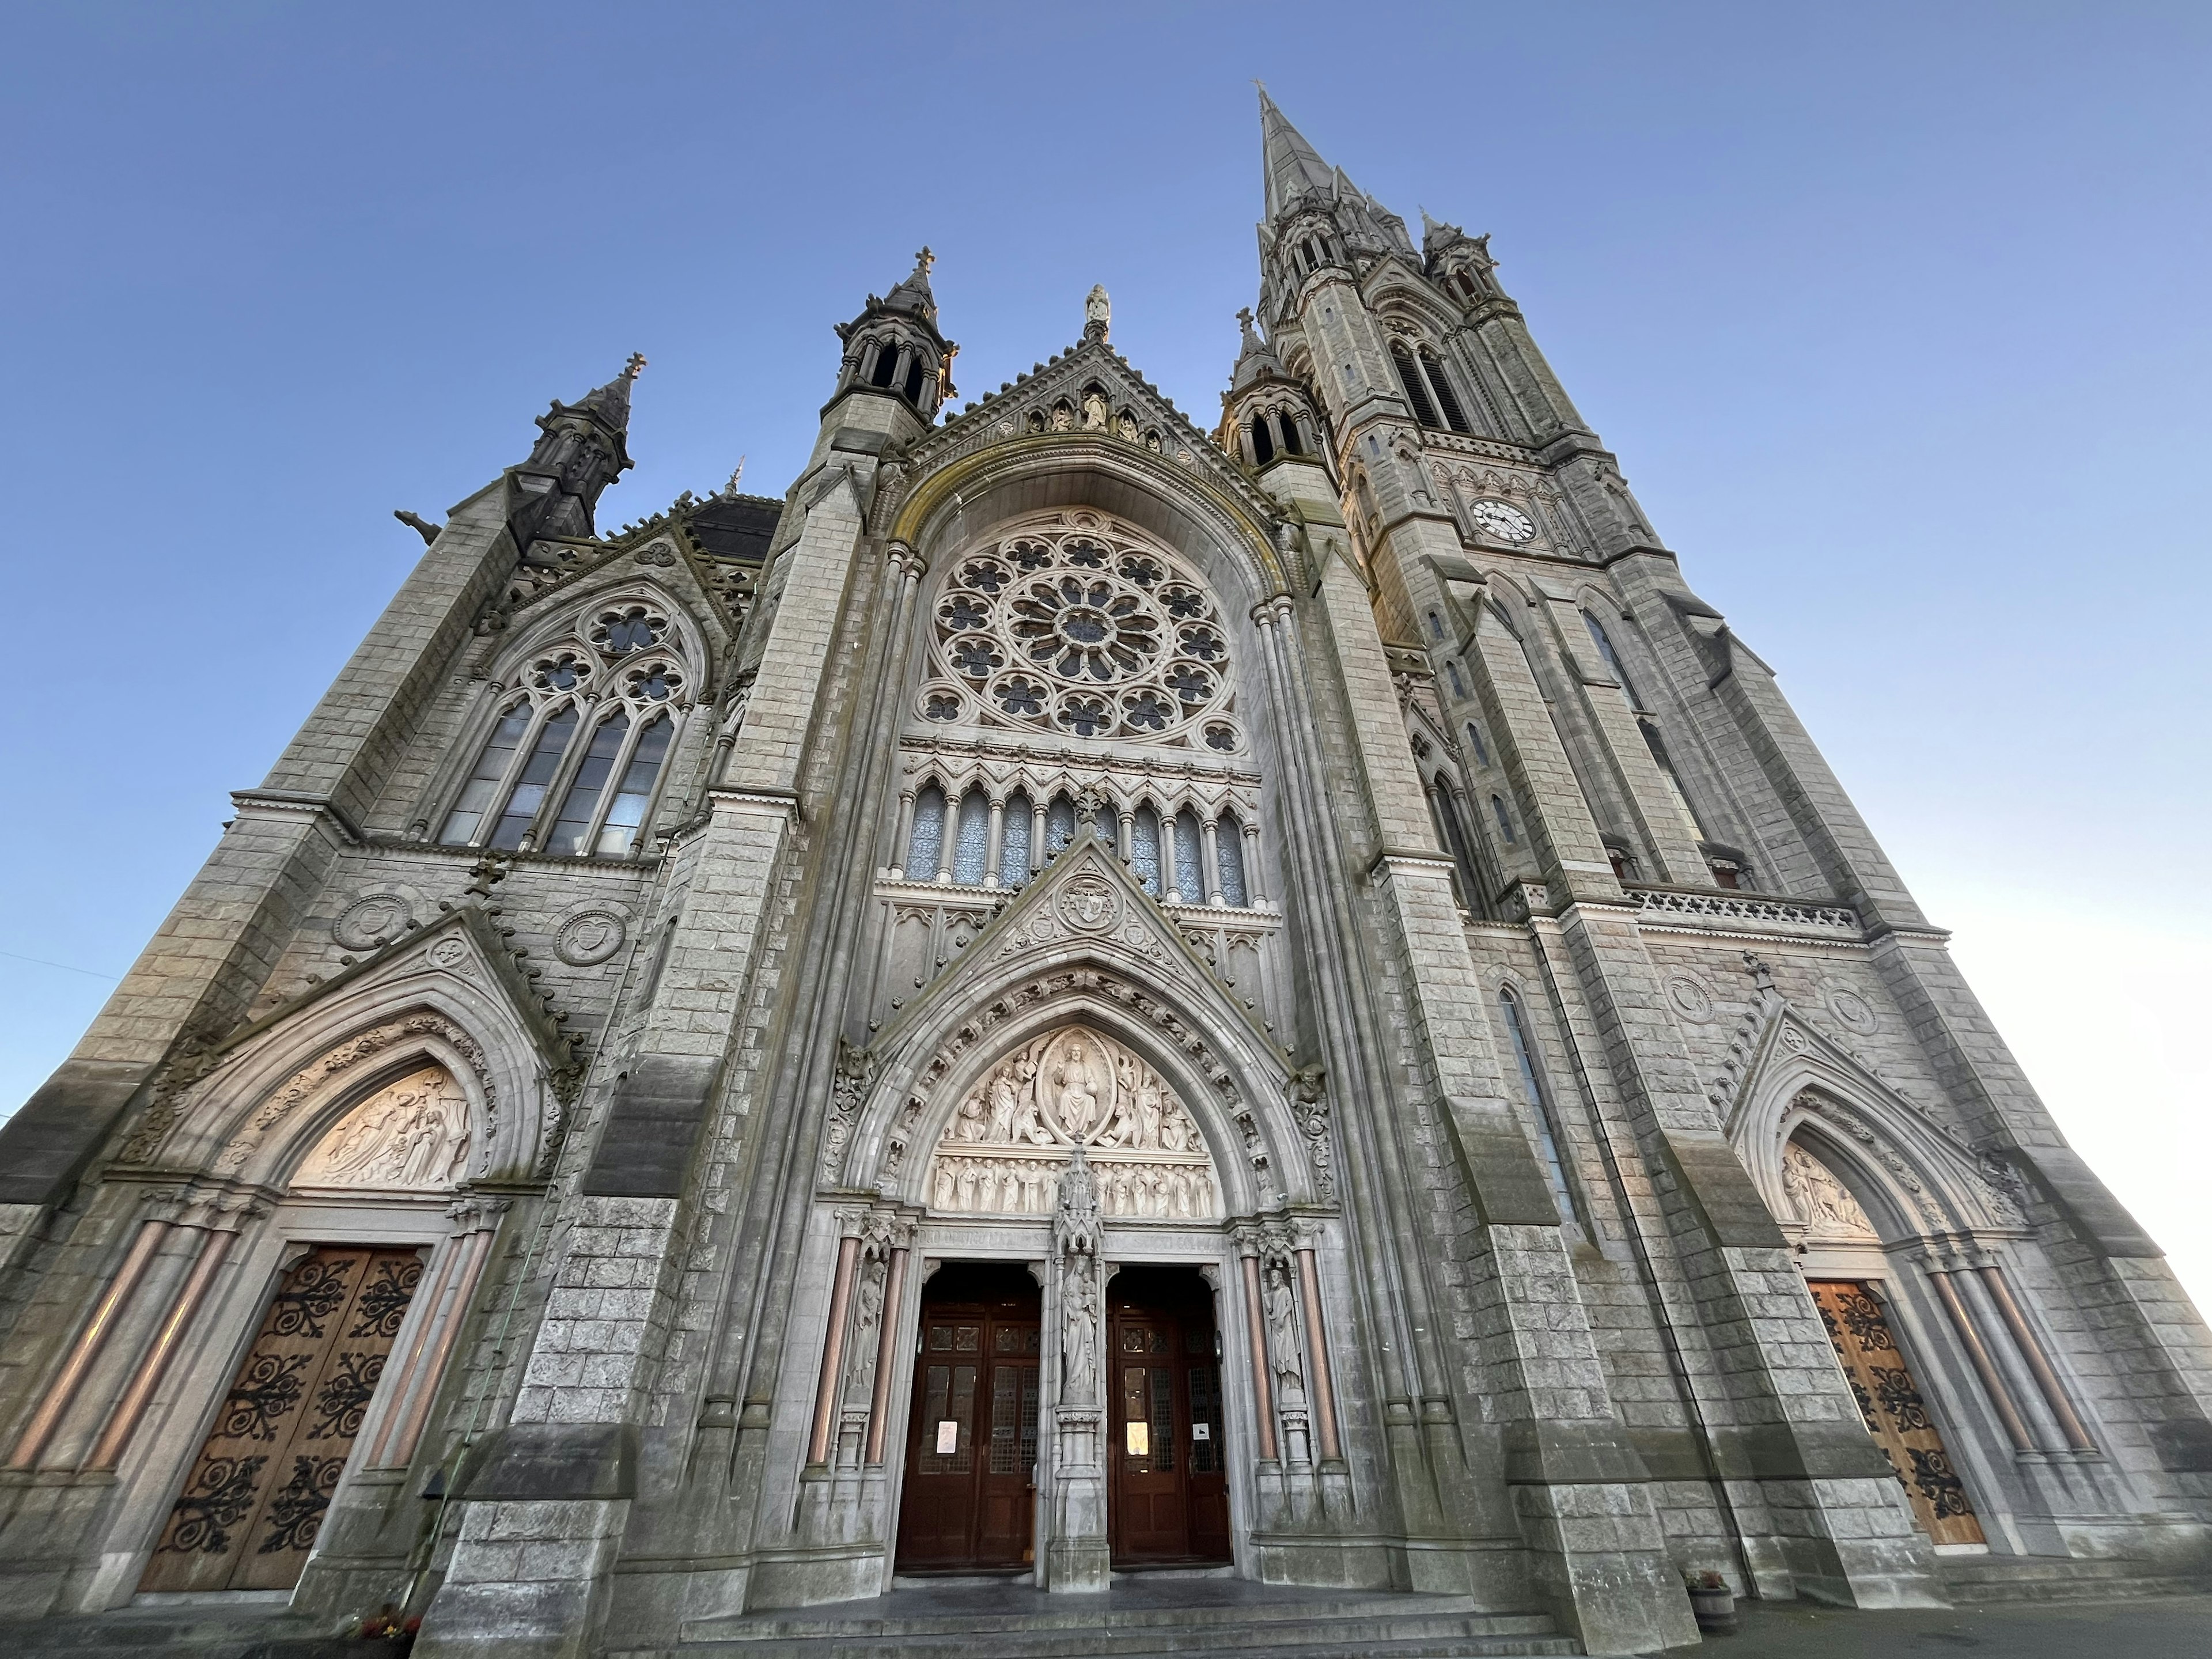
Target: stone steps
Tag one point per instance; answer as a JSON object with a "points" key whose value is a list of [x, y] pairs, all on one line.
{"points": [[1249, 1624], [1982, 1579], [214, 1633]]}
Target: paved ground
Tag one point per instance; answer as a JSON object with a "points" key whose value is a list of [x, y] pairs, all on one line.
{"points": [[2156, 1627]]}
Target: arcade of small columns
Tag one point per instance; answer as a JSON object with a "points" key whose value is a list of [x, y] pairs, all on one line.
{"points": [[1177, 884]]}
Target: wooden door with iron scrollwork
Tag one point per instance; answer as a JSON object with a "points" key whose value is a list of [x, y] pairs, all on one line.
{"points": [[256, 1497], [1896, 1415]]}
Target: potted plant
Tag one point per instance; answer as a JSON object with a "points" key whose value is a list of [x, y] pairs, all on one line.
{"points": [[1711, 1601]]}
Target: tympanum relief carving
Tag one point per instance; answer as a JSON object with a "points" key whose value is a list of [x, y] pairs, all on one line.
{"points": [[1823, 1203], [1014, 1133], [413, 1134]]}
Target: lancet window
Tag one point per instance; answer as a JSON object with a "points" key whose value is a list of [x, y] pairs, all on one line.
{"points": [[573, 760], [1539, 1110], [1428, 388]]}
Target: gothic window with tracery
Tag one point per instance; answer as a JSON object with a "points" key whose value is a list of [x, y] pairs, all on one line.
{"points": [[572, 762]]}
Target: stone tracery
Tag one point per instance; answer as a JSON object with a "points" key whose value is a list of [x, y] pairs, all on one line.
{"points": [[1018, 1127], [1080, 629]]}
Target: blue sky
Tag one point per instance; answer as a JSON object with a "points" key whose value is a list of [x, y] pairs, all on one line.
{"points": [[1893, 314]]}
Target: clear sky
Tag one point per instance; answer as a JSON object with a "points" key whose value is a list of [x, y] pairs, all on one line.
{"points": [[1893, 314]]}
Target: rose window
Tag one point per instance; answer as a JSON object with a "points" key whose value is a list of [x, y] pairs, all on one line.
{"points": [[1085, 634]]}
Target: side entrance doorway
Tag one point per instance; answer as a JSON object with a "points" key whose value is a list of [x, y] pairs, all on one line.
{"points": [[1168, 1499], [255, 1499], [1896, 1412], [970, 1498]]}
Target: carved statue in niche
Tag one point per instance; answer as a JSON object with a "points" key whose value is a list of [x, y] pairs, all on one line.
{"points": [[1823, 1203], [1094, 411], [1078, 1340], [1281, 1304], [413, 1134], [1011, 1133]]}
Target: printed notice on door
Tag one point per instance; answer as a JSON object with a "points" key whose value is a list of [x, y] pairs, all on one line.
{"points": [[1140, 1439], [948, 1436]]}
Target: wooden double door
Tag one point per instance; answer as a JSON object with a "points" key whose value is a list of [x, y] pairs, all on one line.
{"points": [[256, 1497], [1168, 1502], [970, 1498], [1895, 1411]]}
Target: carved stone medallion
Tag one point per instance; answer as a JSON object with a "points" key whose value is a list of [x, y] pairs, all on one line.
{"points": [[1089, 904], [1851, 1010], [449, 953], [1687, 996], [588, 938], [373, 921]]}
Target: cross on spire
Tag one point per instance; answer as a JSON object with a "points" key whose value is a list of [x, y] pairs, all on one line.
{"points": [[634, 367]]}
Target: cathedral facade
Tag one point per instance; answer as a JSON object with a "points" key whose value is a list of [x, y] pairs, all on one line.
{"points": [[1076, 996]]}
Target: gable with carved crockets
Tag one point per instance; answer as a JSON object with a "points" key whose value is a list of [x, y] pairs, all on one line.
{"points": [[250, 1107], [1050, 400], [1783, 1070], [1083, 942]]}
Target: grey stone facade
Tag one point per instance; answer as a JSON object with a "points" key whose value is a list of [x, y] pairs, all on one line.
{"points": [[1365, 779]]}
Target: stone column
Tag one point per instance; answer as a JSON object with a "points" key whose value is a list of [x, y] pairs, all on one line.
{"points": [[902, 834], [833, 1345], [218, 1220], [1036, 836], [1993, 1383], [1256, 881], [2038, 1363], [1078, 1556], [61, 1393], [1209, 844], [1324, 1385], [994, 838], [1255, 1336]]}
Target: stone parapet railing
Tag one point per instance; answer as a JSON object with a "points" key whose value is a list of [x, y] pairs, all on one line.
{"points": [[1664, 905]]}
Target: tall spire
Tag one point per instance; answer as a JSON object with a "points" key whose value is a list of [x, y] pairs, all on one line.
{"points": [[1293, 166]]}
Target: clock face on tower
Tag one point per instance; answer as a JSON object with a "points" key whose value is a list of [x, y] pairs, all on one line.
{"points": [[1507, 523]]}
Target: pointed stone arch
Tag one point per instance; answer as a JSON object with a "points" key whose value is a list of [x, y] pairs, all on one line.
{"points": [[1082, 945], [442, 997], [1915, 1176]]}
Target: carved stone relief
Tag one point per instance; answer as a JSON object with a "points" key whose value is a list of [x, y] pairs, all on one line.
{"points": [[588, 938], [374, 920], [1017, 1129], [1823, 1203], [411, 1134]]}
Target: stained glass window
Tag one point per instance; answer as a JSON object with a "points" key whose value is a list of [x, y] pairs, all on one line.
{"points": [[1059, 825], [483, 783], [927, 839], [1229, 853], [626, 813], [972, 845], [583, 799], [1189, 879], [1145, 850], [530, 791], [1014, 851]]}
